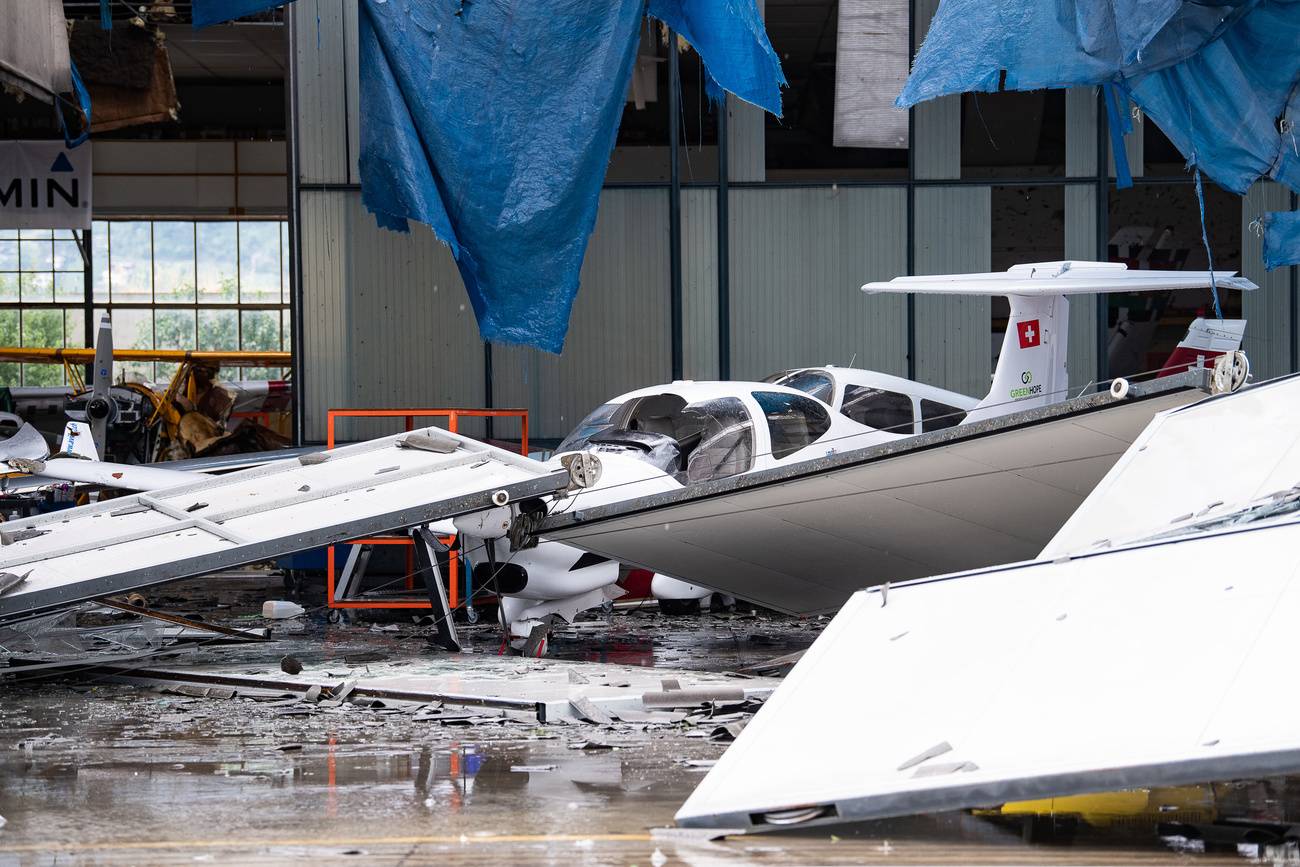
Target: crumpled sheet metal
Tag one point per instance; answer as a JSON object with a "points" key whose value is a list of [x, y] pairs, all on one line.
{"points": [[493, 123], [1215, 75]]}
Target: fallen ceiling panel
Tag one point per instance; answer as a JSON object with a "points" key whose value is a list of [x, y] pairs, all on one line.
{"points": [[802, 539], [1134, 667], [245, 517], [1194, 463]]}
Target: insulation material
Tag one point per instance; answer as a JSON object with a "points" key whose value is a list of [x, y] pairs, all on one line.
{"points": [[870, 69], [1281, 239], [1215, 77], [34, 55], [128, 74]]}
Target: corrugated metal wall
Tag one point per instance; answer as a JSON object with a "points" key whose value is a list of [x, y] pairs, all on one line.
{"points": [[798, 260], [619, 335], [1081, 229], [325, 50], [1271, 329], [700, 284], [386, 322], [954, 347]]}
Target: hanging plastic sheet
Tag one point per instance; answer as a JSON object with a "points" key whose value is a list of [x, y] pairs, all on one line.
{"points": [[1220, 77], [1215, 75], [493, 123], [1281, 239], [208, 12]]}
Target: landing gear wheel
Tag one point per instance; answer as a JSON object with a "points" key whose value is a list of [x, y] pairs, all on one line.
{"points": [[675, 607]]}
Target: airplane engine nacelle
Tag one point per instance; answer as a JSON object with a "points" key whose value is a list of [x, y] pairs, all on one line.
{"points": [[552, 570], [489, 524]]}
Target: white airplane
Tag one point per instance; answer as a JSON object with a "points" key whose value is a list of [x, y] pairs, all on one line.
{"points": [[666, 437]]}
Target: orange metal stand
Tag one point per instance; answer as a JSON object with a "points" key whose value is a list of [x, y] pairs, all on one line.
{"points": [[453, 417]]}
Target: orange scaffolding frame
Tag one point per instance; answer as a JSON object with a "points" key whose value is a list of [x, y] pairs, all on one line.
{"points": [[453, 416]]}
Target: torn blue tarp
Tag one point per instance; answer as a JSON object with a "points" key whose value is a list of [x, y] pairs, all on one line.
{"points": [[208, 12], [1215, 75], [493, 121], [1281, 239]]}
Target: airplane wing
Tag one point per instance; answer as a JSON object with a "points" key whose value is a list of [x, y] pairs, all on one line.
{"points": [[1118, 668], [1060, 278], [801, 539], [383, 485], [26, 455]]}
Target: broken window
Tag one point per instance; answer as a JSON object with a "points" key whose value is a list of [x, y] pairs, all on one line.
{"points": [[793, 420], [694, 442], [880, 409], [599, 421], [939, 416], [725, 445], [812, 382]]}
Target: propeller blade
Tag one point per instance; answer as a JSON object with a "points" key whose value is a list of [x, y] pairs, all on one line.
{"points": [[100, 408]]}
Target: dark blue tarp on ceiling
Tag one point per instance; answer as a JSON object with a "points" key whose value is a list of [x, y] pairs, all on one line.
{"points": [[493, 121], [1215, 75], [207, 12]]}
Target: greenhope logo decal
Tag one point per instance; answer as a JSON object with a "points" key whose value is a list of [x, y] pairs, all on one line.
{"points": [[1029, 390]]}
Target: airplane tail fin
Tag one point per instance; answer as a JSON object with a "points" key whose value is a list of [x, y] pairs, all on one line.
{"points": [[1206, 339], [1031, 369], [1032, 364], [78, 441]]}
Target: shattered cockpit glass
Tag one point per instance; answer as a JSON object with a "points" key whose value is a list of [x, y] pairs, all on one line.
{"points": [[810, 382], [599, 421], [695, 442]]}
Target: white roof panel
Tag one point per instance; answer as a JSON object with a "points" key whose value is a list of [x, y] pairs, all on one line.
{"points": [[256, 514], [1133, 667], [1193, 463]]}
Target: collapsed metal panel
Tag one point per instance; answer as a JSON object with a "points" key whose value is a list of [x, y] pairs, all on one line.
{"points": [[1192, 464], [1031, 681], [256, 514], [801, 539]]}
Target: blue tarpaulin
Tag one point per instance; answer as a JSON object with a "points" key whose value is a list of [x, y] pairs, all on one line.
{"points": [[1281, 239], [1215, 75], [493, 121], [207, 12]]}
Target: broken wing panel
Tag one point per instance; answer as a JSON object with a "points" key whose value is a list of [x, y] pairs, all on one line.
{"points": [[1229, 451], [802, 539], [1037, 680], [256, 514]]}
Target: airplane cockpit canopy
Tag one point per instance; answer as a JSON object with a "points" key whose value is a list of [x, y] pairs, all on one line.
{"points": [[695, 442]]}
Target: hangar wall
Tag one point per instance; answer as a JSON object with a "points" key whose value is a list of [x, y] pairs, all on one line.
{"points": [[385, 320]]}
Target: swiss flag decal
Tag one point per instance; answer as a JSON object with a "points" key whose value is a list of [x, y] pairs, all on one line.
{"points": [[1029, 333]]}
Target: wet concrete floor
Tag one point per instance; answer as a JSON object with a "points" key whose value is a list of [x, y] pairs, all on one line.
{"points": [[103, 773]]}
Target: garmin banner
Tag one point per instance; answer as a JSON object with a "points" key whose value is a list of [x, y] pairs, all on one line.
{"points": [[44, 185]]}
